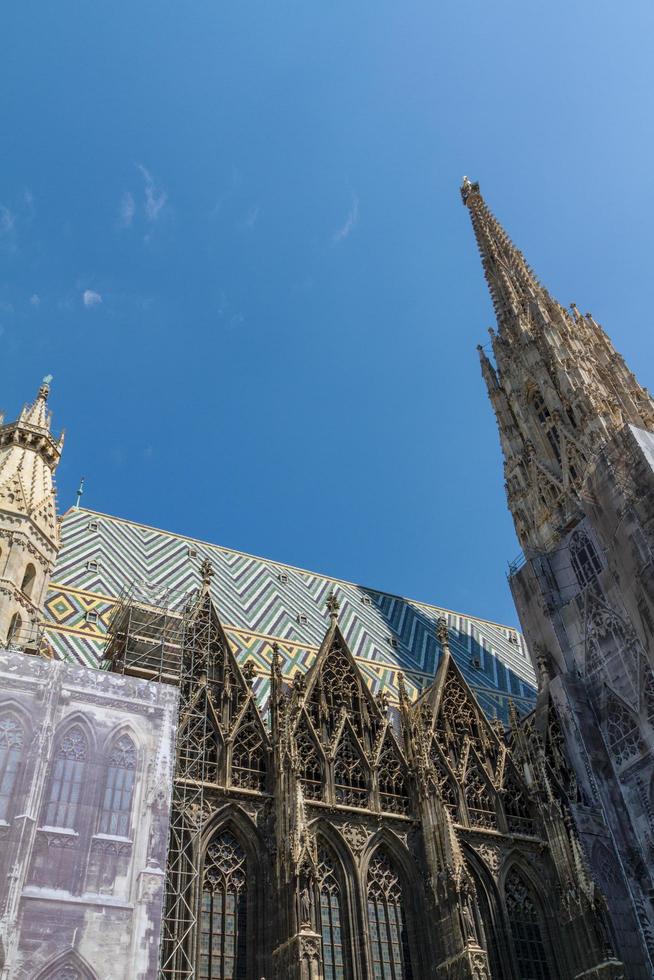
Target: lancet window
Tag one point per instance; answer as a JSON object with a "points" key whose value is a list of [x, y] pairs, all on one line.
{"points": [[584, 558], [67, 780], [446, 787], [223, 910], [517, 808], [622, 732], [388, 937], [547, 424], [119, 788], [480, 803], [526, 930], [350, 777], [332, 925], [249, 755], [393, 793], [199, 747], [12, 738], [309, 763]]}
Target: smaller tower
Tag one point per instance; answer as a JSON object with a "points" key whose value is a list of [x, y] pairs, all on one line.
{"points": [[29, 534]]}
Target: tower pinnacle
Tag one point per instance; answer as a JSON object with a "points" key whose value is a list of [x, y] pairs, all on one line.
{"points": [[558, 387]]}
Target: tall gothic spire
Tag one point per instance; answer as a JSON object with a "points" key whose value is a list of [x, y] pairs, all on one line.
{"points": [[558, 387]]}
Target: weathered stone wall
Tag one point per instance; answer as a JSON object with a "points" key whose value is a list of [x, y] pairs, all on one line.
{"points": [[86, 761]]}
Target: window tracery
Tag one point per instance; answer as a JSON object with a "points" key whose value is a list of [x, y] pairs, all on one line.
{"points": [[12, 737], [223, 911], [388, 935], [350, 778], [249, 755], [199, 749], [622, 732], [526, 930], [67, 779], [480, 803], [517, 808], [548, 425], [332, 922], [393, 793], [584, 558], [446, 787], [309, 764], [119, 788]]}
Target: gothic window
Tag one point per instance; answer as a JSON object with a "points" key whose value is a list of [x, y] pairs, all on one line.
{"points": [[456, 712], [584, 558], [118, 789], [547, 424], [12, 738], [15, 628], [349, 773], [332, 925], [310, 767], [480, 803], [526, 930], [249, 755], [67, 780], [393, 791], [622, 732], [223, 912], [388, 938], [28, 579], [199, 748], [517, 809]]}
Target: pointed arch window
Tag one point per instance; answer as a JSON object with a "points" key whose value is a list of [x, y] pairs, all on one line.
{"points": [[310, 766], [388, 937], [548, 425], [526, 930], [118, 789], [29, 577], [12, 739], [584, 559], [67, 780], [199, 750], [517, 808], [332, 926], [480, 803], [622, 732], [393, 793], [249, 755], [350, 777], [223, 911], [446, 787]]}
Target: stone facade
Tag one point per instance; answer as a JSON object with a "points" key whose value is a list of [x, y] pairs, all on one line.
{"points": [[85, 781], [576, 431]]}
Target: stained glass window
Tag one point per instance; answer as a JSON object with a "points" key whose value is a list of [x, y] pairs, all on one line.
{"points": [[388, 938], [67, 781], [118, 789], [223, 912], [331, 917], [12, 738], [528, 944]]}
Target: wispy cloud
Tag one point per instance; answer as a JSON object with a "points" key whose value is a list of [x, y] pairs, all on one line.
{"points": [[28, 198], [91, 298], [349, 224], [35, 300], [155, 197], [7, 220], [127, 210], [251, 218]]}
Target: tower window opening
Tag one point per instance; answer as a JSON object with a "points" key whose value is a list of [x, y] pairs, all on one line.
{"points": [[27, 585], [584, 558], [91, 566]]}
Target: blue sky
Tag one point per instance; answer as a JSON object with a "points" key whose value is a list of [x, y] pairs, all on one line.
{"points": [[233, 233]]}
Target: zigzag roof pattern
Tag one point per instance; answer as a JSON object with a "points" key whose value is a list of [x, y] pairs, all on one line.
{"points": [[262, 601]]}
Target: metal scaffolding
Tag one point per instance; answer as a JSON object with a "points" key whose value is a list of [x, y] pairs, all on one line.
{"points": [[167, 636]]}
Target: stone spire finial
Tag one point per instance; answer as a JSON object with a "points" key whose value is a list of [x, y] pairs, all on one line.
{"points": [[443, 633], [333, 605], [207, 573]]}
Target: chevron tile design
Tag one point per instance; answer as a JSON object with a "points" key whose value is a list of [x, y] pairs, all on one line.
{"points": [[260, 601]]}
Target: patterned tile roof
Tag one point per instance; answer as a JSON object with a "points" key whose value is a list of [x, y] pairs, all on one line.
{"points": [[260, 601]]}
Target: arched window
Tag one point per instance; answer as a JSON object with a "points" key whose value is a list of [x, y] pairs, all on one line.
{"points": [[526, 930], [480, 803], [622, 732], [223, 918], [12, 738], [15, 628], [548, 425], [310, 767], [349, 775], [199, 751], [393, 793], [249, 755], [332, 926], [584, 558], [446, 787], [388, 938], [67, 779], [28, 579], [118, 789], [517, 809]]}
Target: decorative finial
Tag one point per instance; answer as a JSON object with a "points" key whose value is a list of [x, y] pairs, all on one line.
{"points": [[44, 390], [468, 188], [80, 491], [333, 605], [249, 670], [442, 632], [207, 573]]}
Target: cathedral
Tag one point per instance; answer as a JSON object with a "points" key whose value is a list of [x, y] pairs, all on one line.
{"points": [[362, 787]]}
